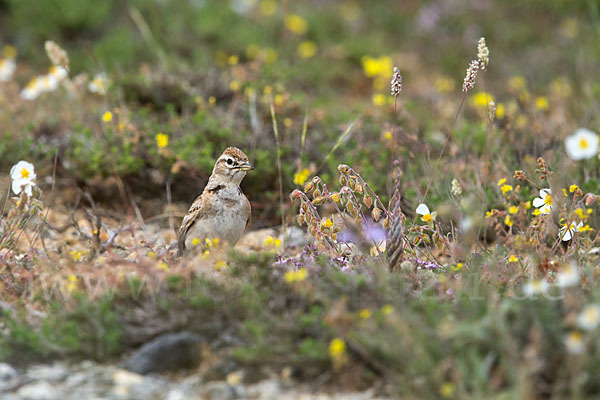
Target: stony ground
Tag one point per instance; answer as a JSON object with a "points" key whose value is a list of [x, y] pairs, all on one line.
{"points": [[91, 381]]}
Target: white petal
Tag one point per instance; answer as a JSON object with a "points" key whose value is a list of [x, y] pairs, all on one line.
{"points": [[422, 209], [16, 187], [537, 202], [565, 234], [546, 209], [545, 192]]}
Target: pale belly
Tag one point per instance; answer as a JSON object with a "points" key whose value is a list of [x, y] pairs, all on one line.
{"points": [[228, 226]]}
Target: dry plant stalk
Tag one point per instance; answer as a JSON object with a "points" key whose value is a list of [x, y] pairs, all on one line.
{"points": [[57, 55]]}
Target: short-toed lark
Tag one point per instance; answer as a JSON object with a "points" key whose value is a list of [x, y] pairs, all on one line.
{"points": [[222, 210]]}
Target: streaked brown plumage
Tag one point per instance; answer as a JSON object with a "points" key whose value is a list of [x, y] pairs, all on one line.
{"points": [[222, 210]]}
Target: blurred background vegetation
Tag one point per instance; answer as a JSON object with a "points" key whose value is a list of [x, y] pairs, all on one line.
{"points": [[190, 69]]}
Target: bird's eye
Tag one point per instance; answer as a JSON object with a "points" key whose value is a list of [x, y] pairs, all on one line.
{"points": [[229, 161]]}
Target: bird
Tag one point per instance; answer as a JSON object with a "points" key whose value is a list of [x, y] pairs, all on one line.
{"points": [[222, 210]]}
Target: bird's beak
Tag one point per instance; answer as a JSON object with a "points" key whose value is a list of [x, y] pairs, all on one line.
{"points": [[246, 166]]}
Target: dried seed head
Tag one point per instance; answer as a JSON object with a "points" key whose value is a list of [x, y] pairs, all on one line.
{"points": [[343, 168], [316, 194], [368, 201], [376, 213], [343, 180], [335, 197], [300, 219], [296, 194], [359, 188], [471, 76], [352, 184], [318, 200], [483, 53], [455, 187], [492, 110], [57, 56], [309, 186], [396, 84]]}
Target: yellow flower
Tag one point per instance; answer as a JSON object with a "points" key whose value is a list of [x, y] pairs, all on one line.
{"points": [[195, 242], [233, 60], [505, 189], [527, 205], [295, 24], [212, 100], [295, 276], [447, 390], [163, 266], [481, 100], [513, 259], [107, 116], [381, 66], [152, 255], [489, 214], [365, 313], [541, 103], [307, 49], [76, 254], [513, 209], [508, 221], [279, 99], [573, 188], [327, 222], [457, 267], [287, 122], [220, 264], [72, 283], [301, 176], [335, 197], [387, 309], [212, 242], [337, 348], [378, 99], [234, 85], [501, 182], [268, 7], [162, 140], [272, 242], [388, 135], [500, 110]]}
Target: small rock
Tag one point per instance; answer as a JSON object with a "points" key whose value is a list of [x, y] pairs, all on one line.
{"points": [[219, 391], [269, 389], [41, 390], [7, 372], [8, 376], [51, 373], [168, 352], [150, 389], [296, 237]]}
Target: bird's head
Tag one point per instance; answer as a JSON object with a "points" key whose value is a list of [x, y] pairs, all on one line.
{"points": [[232, 165]]}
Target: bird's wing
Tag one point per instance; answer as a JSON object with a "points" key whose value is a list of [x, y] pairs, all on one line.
{"points": [[195, 213], [248, 210]]}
